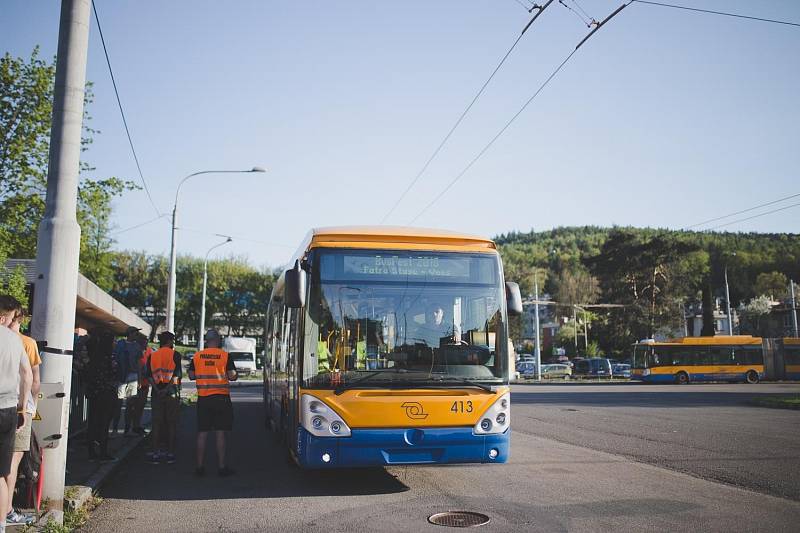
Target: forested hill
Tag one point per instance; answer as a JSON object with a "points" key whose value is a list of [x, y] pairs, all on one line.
{"points": [[651, 272]]}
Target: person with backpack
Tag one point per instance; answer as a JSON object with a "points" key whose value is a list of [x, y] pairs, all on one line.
{"points": [[127, 353], [164, 373]]}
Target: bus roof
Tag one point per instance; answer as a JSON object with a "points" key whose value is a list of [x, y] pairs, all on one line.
{"points": [[703, 341], [393, 237]]}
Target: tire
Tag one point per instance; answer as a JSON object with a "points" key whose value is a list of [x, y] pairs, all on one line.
{"points": [[751, 377], [682, 378]]}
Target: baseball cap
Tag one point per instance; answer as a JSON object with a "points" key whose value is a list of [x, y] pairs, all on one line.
{"points": [[132, 329], [212, 334]]}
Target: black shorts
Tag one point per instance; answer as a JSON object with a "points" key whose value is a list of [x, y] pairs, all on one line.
{"points": [[214, 413], [8, 430]]}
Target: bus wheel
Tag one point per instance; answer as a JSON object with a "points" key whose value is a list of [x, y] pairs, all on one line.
{"points": [[682, 378], [751, 376]]}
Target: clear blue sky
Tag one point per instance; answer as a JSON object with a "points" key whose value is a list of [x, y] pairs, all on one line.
{"points": [[664, 118]]}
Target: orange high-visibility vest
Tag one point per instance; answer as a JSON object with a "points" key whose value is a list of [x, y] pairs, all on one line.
{"points": [[209, 372], [162, 365]]}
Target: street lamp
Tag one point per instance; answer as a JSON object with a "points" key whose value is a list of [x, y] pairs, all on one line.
{"points": [[172, 255], [200, 339]]}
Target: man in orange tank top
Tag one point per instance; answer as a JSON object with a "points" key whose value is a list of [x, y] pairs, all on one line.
{"points": [[212, 370]]}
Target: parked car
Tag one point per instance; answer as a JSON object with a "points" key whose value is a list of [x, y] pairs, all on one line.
{"points": [[595, 368], [556, 371], [621, 370], [526, 357], [526, 369]]}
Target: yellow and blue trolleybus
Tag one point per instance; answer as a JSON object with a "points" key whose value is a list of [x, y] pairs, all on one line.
{"points": [[389, 346], [720, 358]]}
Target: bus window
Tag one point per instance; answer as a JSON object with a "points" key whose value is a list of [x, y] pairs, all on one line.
{"points": [[427, 316]]}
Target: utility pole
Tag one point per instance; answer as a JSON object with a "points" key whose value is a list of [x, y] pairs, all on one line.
{"points": [[794, 309], [58, 246], [575, 328], [728, 303], [683, 319], [537, 349], [585, 331]]}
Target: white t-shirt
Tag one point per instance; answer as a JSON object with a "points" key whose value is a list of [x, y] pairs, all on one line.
{"points": [[11, 354]]}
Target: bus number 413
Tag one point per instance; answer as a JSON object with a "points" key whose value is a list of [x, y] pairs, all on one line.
{"points": [[461, 407]]}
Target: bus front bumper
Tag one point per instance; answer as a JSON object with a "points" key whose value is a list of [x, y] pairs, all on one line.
{"points": [[402, 446]]}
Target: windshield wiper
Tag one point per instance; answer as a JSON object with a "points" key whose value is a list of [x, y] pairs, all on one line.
{"points": [[465, 381], [372, 373]]}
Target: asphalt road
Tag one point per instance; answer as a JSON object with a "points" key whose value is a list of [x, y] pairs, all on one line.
{"points": [[711, 431], [565, 474]]}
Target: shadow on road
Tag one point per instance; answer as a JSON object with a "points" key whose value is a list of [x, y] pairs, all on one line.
{"points": [[262, 470], [636, 397]]}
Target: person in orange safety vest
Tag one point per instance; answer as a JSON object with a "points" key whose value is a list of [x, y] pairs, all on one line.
{"points": [[212, 370], [164, 373]]}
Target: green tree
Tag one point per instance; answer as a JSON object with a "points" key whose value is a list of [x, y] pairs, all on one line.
{"points": [[772, 284], [26, 104], [576, 286]]}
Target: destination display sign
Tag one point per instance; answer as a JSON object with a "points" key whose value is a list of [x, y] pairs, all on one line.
{"points": [[456, 268]]}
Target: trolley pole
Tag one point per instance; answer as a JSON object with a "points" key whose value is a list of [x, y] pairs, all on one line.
{"points": [[58, 246], [794, 309]]}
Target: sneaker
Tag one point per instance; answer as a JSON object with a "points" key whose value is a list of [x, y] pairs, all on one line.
{"points": [[199, 471], [225, 471], [107, 458], [154, 458], [170, 458], [15, 518]]}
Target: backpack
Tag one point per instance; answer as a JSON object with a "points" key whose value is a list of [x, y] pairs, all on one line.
{"points": [[28, 493]]}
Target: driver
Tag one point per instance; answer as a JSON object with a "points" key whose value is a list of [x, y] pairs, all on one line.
{"points": [[435, 327]]}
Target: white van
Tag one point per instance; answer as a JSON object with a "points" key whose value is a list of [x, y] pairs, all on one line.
{"points": [[243, 352]]}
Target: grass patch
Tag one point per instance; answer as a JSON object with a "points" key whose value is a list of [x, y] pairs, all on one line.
{"points": [[778, 402], [74, 519]]}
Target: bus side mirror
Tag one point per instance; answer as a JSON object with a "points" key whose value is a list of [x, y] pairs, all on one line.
{"points": [[513, 299], [294, 287]]}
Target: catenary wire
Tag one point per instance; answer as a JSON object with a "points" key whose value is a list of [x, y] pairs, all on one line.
{"points": [[464, 113], [122, 112], [743, 211], [754, 216], [137, 226], [580, 7], [583, 20], [737, 15], [513, 118]]}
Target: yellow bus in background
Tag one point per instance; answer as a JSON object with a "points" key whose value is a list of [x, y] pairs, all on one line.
{"points": [[389, 346], [687, 359], [791, 357]]}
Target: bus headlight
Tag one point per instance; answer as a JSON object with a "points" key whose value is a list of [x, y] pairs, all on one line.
{"points": [[320, 420], [497, 417]]}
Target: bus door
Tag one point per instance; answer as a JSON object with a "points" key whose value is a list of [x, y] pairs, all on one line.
{"points": [[271, 400], [291, 328]]}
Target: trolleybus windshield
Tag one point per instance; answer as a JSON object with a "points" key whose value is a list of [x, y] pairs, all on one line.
{"points": [[404, 318]]}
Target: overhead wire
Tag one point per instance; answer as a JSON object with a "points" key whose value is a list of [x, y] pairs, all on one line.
{"points": [[583, 20], [464, 113], [137, 226], [516, 115], [122, 112], [754, 216], [236, 237], [773, 202], [711, 12]]}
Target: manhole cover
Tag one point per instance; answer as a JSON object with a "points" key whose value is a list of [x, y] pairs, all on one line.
{"points": [[459, 519]]}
